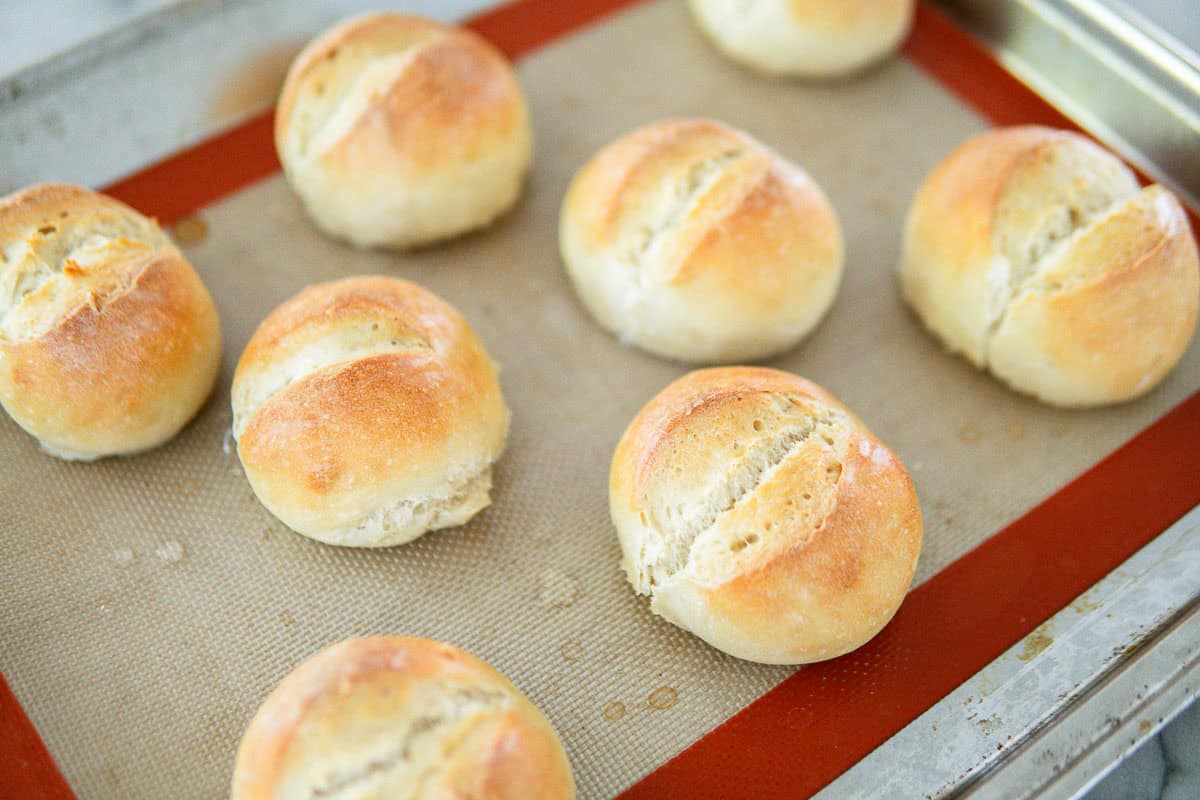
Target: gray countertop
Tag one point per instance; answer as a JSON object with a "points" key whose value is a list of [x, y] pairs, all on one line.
{"points": [[1166, 766]]}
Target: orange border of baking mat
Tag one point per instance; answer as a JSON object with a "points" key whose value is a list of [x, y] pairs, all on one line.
{"points": [[802, 734], [26, 769]]}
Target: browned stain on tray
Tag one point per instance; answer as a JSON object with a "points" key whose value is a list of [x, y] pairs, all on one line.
{"points": [[1035, 644]]}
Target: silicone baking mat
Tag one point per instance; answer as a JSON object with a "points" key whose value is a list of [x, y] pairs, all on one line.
{"points": [[148, 604]]}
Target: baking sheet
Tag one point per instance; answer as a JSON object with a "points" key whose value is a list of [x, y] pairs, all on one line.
{"points": [[148, 604]]}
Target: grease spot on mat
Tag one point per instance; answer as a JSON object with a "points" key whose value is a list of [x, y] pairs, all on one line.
{"points": [[614, 711], [556, 589], [170, 552], [881, 206], [189, 231], [187, 486], [123, 556], [662, 698], [571, 650], [1014, 431], [969, 434], [287, 617]]}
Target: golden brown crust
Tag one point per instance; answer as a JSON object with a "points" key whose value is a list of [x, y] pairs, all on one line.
{"points": [[1116, 333], [846, 13], [347, 707], [1010, 245], [695, 241], [762, 516], [453, 92], [398, 130], [110, 341], [362, 393], [401, 310], [403, 397], [456, 93], [950, 223], [611, 183], [853, 568], [376, 33]]}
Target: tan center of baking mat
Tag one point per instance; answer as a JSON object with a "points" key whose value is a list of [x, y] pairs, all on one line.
{"points": [[147, 605]]}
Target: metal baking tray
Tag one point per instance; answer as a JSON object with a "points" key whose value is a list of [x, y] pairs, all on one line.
{"points": [[1066, 702]]}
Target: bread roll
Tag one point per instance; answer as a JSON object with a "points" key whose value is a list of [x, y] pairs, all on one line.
{"points": [[109, 342], [386, 717], [696, 242], [805, 38], [1034, 253], [366, 413], [759, 514], [398, 131]]}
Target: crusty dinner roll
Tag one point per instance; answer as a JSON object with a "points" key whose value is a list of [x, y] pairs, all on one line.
{"points": [[696, 242], [398, 131], [366, 413], [759, 514], [805, 38], [1033, 253], [109, 342], [391, 717]]}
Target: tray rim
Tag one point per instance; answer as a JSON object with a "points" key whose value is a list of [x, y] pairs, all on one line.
{"points": [[44, 77]]}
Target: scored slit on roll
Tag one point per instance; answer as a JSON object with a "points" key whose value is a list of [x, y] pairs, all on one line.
{"points": [[344, 345], [448, 714], [366, 413], [109, 340], [68, 257], [759, 514], [697, 242], [399, 131], [387, 716], [681, 200], [680, 528], [1085, 188], [1035, 254]]}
